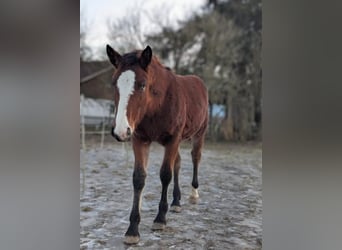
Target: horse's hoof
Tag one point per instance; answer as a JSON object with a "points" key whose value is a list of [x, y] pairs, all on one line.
{"points": [[158, 226], [175, 209], [194, 197], [193, 200], [131, 239]]}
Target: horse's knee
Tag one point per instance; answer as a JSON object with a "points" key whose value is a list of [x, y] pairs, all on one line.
{"points": [[178, 160], [165, 174], [196, 155], [139, 176]]}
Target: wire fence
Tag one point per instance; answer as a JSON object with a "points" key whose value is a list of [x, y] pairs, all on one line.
{"points": [[103, 129], [95, 118]]}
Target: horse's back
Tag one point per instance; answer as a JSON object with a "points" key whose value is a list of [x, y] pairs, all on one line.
{"points": [[193, 87]]}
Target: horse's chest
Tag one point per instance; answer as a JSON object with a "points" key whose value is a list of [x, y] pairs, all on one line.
{"points": [[158, 129]]}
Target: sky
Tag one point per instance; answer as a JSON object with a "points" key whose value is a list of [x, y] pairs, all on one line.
{"points": [[96, 13]]}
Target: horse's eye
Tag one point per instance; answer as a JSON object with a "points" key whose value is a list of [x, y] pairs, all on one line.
{"points": [[142, 86]]}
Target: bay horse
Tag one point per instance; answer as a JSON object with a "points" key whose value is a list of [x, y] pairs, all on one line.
{"points": [[154, 104]]}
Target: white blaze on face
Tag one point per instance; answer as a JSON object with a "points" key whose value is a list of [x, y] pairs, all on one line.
{"points": [[125, 85]]}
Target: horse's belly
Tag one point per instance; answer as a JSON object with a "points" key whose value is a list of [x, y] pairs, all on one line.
{"points": [[194, 125]]}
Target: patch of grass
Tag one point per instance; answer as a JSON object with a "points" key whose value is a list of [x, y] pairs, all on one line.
{"points": [[102, 242], [86, 209], [103, 164]]}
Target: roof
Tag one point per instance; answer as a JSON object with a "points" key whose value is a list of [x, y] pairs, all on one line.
{"points": [[89, 67], [95, 79]]}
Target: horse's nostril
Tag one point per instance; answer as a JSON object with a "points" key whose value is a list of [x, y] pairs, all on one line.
{"points": [[113, 134], [128, 131]]}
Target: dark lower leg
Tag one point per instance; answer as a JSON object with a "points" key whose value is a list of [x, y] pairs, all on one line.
{"points": [[196, 157], [176, 189], [139, 176], [165, 177]]}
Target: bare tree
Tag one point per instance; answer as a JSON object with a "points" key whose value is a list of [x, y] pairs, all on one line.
{"points": [[176, 41], [127, 33], [85, 51]]}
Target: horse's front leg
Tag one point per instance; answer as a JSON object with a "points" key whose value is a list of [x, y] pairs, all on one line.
{"points": [[175, 205], [170, 156], [141, 150]]}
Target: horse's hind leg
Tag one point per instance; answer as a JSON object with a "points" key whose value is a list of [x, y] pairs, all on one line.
{"points": [[175, 205], [196, 153]]}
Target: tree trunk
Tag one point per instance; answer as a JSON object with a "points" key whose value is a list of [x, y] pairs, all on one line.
{"points": [[211, 130], [229, 123], [243, 135], [244, 124]]}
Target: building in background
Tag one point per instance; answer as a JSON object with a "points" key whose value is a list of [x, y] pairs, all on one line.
{"points": [[96, 80], [96, 102]]}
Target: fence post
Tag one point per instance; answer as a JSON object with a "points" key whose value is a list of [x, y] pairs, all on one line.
{"points": [[83, 133], [103, 131], [83, 127], [82, 162]]}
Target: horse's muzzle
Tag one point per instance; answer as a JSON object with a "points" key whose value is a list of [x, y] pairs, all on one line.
{"points": [[122, 138]]}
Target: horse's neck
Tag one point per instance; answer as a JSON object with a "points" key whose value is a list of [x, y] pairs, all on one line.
{"points": [[162, 82], [162, 78]]}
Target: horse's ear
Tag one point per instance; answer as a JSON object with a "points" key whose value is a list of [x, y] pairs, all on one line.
{"points": [[114, 57], [146, 57]]}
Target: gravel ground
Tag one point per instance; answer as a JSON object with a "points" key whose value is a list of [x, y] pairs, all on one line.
{"points": [[227, 216]]}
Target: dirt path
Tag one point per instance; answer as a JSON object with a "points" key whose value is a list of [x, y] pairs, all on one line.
{"points": [[228, 215]]}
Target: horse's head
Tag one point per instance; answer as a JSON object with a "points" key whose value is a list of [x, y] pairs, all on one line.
{"points": [[131, 95]]}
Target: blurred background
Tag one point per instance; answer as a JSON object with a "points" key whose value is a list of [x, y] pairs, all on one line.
{"points": [[220, 41], [39, 125]]}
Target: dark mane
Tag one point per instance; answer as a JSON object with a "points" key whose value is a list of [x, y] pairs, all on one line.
{"points": [[130, 59]]}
